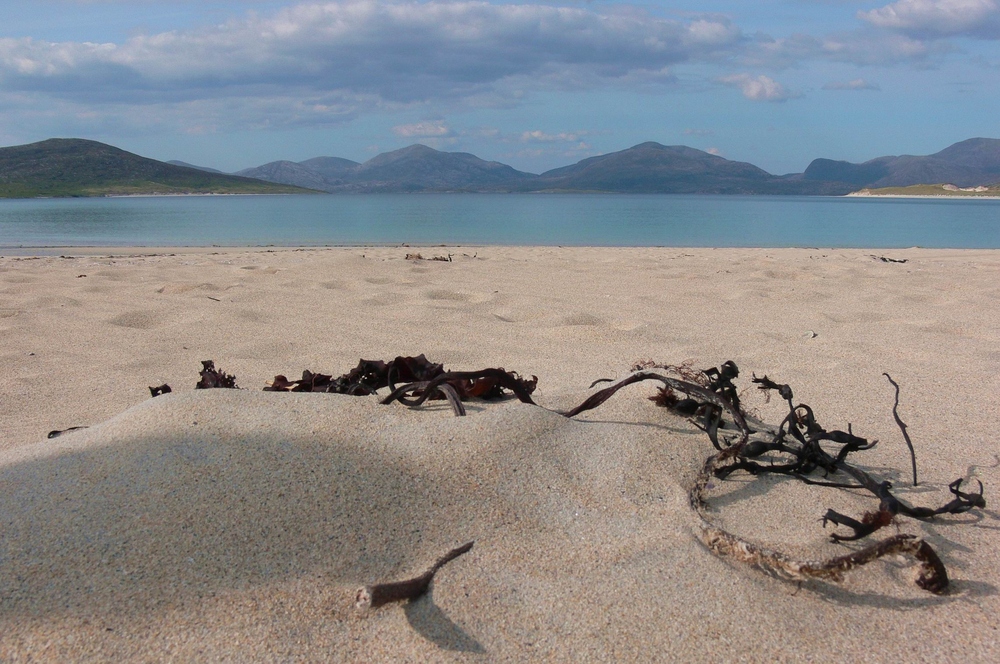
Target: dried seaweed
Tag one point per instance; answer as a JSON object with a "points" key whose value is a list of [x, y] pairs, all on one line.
{"points": [[798, 441], [483, 384], [798, 447], [380, 594], [886, 259], [366, 378], [59, 432], [157, 391], [212, 377], [795, 448], [902, 427], [418, 257], [420, 380]]}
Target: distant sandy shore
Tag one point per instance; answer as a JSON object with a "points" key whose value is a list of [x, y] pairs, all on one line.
{"points": [[237, 525], [857, 194]]}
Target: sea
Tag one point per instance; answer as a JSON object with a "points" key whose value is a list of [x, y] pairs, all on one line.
{"points": [[499, 219]]}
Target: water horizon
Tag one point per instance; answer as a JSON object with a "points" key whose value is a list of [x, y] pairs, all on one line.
{"points": [[421, 220]]}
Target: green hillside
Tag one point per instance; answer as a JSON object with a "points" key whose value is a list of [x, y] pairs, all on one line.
{"points": [[77, 167]]}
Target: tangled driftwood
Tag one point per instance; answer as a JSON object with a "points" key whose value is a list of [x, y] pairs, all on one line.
{"points": [[795, 447]]}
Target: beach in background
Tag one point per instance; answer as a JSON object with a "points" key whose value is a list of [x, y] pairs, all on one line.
{"points": [[237, 525]]}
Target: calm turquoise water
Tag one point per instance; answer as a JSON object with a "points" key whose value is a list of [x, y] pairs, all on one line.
{"points": [[564, 219]]}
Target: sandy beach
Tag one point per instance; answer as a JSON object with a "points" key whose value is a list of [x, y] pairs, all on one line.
{"points": [[236, 525]]}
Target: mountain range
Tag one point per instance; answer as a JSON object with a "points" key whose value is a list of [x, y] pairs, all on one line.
{"points": [[644, 168], [77, 167]]}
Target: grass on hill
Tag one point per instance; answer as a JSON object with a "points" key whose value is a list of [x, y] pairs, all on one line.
{"points": [[76, 167]]}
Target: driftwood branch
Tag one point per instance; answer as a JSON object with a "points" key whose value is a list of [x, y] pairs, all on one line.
{"points": [[374, 596]]}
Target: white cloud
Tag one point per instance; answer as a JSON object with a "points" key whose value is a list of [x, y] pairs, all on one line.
{"points": [[757, 88], [856, 84], [434, 129], [537, 136], [931, 18], [714, 151], [861, 47], [401, 52]]}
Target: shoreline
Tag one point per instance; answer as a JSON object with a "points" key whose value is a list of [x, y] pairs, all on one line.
{"points": [[950, 197], [78, 251]]}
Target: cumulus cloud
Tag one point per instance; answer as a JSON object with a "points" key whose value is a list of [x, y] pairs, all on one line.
{"points": [[757, 88], [939, 18], [363, 51], [856, 84]]}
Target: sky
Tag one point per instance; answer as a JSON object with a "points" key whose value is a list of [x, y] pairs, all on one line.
{"points": [[537, 85]]}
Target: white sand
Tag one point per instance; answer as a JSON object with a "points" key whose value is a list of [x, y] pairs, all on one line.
{"points": [[236, 525]]}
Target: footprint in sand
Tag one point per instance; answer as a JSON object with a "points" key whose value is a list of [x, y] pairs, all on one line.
{"points": [[581, 319], [454, 296], [178, 288], [384, 299], [138, 320]]}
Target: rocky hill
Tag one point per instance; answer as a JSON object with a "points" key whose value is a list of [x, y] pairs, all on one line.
{"points": [[970, 163]]}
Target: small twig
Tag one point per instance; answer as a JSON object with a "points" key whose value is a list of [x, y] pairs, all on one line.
{"points": [[213, 298], [902, 427], [372, 597]]}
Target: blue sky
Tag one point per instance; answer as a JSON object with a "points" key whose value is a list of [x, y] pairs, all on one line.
{"points": [[533, 84]]}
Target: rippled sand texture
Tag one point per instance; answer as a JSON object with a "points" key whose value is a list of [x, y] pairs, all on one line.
{"points": [[237, 524]]}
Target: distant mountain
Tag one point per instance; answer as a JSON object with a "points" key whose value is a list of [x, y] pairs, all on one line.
{"points": [[287, 172], [676, 169], [411, 169], [644, 168], [419, 168], [332, 168], [175, 162], [77, 167], [969, 163]]}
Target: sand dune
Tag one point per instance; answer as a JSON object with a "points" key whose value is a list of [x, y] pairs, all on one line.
{"points": [[227, 524]]}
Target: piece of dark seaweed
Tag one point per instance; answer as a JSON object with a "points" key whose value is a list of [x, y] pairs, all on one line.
{"points": [[212, 377], [380, 594], [59, 432], [902, 427]]}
